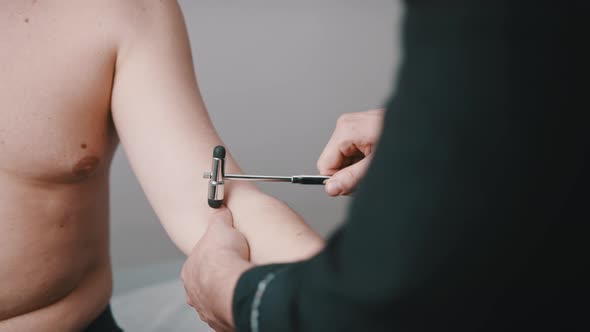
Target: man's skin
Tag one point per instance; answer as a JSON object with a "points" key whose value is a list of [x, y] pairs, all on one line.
{"points": [[75, 76]]}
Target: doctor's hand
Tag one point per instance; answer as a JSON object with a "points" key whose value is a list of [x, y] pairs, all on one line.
{"points": [[347, 155], [212, 270]]}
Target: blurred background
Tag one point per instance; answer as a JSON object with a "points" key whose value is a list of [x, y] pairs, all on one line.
{"points": [[275, 76]]}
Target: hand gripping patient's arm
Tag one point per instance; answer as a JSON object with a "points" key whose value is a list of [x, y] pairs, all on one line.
{"points": [[168, 138]]}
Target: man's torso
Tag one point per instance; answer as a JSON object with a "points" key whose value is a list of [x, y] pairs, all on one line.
{"points": [[57, 139]]}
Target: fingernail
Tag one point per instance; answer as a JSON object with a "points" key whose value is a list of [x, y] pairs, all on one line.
{"points": [[333, 188]]}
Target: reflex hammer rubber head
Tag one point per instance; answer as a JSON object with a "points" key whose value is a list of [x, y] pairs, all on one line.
{"points": [[216, 190], [219, 152]]}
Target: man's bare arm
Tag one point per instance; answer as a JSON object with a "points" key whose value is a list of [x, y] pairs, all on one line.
{"points": [[168, 138]]}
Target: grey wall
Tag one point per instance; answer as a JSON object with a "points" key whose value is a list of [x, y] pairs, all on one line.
{"points": [[275, 76]]}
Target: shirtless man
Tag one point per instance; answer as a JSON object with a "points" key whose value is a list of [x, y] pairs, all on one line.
{"points": [[75, 77]]}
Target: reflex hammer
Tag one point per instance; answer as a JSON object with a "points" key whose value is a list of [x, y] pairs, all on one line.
{"points": [[217, 178]]}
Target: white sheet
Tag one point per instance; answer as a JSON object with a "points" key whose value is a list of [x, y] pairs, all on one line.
{"points": [[156, 308]]}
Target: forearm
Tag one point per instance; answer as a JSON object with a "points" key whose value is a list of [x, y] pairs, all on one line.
{"points": [[274, 231]]}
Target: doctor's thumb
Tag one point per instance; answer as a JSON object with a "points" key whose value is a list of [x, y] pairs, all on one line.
{"points": [[221, 217], [347, 179]]}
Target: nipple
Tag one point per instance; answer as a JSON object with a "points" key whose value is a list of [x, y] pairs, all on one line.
{"points": [[85, 166]]}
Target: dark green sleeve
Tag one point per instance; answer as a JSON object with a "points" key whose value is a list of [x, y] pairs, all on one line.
{"points": [[455, 224]]}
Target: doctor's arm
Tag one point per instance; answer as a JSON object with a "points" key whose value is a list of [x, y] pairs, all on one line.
{"points": [[463, 219]]}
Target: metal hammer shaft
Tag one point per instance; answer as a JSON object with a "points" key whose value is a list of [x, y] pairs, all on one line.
{"points": [[301, 179], [217, 178]]}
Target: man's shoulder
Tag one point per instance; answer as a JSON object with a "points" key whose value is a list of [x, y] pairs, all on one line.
{"points": [[139, 19], [123, 18], [137, 12]]}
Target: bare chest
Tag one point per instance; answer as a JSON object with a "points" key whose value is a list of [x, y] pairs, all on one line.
{"points": [[55, 86]]}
